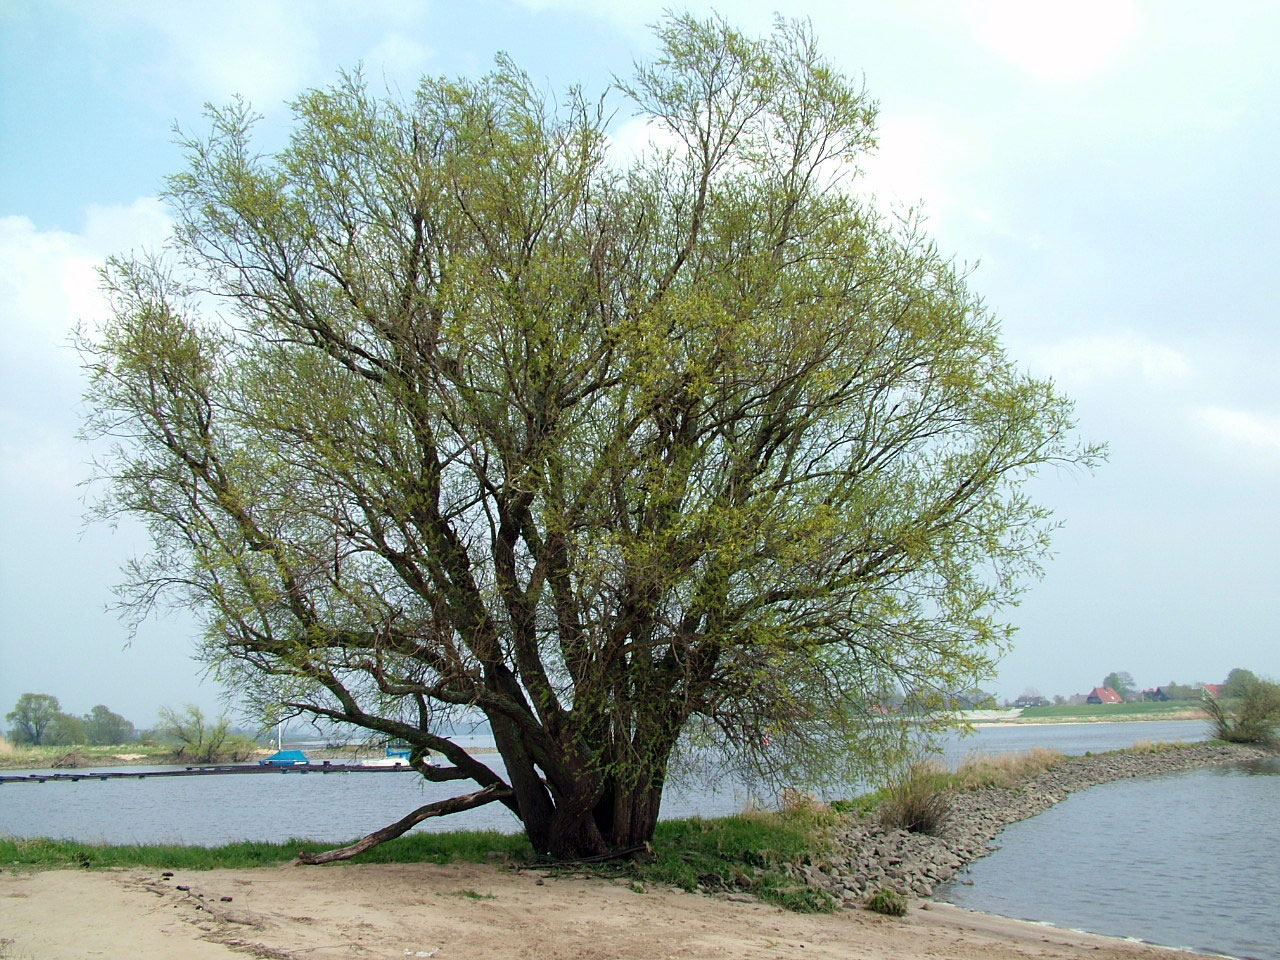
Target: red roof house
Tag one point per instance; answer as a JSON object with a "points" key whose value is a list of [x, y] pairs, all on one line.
{"points": [[1214, 690], [1104, 695]]}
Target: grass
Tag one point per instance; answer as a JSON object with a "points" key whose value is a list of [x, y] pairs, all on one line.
{"points": [[747, 853], [919, 800], [1005, 770], [887, 901], [462, 846], [1114, 711], [1156, 746], [24, 757]]}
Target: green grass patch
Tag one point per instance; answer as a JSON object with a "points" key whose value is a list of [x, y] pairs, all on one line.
{"points": [[746, 853], [889, 902], [1113, 711], [461, 846]]}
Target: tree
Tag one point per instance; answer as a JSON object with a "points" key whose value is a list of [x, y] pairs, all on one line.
{"points": [[65, 730], [199, 738], [1122, 683], [31, 717], [1238, 682], [102, 726], [631, 458], [1253, 718]]}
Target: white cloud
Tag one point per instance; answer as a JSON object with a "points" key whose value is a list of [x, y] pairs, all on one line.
{"points": [[1056, 40], [49, 284], [398, 58], [910, 165], [638, 136], [1257, 432], [48, 278], [261, 49], [1123, 356]]}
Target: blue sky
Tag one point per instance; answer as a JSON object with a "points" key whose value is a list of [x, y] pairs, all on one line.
{"points": [[1109, 166]]}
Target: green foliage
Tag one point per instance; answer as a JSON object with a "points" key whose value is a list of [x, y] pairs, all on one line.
{"points": [[65, 731], [887, 901], [199, 739], [31, 717], [620, 455], [918, 799], [1121, 682], [1238, 682], [1252, 717], [102, 727]]}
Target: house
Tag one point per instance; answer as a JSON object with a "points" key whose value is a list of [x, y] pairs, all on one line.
{"points": [[1214, 690], [1031, 702], [1103, 695], [1155, 693]]}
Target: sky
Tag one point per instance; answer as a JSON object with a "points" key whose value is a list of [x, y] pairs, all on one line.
{"points": [[1109, 169]]}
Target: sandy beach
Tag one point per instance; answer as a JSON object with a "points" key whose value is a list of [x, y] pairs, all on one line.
{"points": [[478, 912]]}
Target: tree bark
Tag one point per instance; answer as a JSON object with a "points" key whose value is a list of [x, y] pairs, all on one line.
{"points": [[438, 809]]}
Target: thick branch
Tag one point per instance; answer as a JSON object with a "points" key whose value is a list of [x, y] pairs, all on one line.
{"points": [[440, 808]]}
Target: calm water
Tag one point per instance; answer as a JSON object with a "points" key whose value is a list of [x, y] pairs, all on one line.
{"points": [[1190, 859], [338, 806]]}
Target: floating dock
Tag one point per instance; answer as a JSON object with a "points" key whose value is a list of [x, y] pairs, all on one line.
{"points": [[220, 770]]}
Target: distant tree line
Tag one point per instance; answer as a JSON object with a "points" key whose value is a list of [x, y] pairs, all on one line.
{"points": [[37, 719]]}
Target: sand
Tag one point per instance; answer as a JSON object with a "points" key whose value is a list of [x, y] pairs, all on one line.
{"points": [[478, 912]]}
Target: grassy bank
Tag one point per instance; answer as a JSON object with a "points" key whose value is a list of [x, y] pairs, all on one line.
{"points": [[1113, 712], [25, 757]]}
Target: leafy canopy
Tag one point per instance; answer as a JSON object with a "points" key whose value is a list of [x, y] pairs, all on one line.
{"points": [[448, 408]]}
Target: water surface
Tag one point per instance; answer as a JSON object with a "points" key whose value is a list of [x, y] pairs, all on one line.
{"points": [[1188, 859]]}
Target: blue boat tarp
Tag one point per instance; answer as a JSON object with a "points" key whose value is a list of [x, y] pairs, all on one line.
{"points": [[285, 758]]}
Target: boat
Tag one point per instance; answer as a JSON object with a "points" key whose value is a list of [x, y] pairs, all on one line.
{"points": [[286, 758], [394, 758]]}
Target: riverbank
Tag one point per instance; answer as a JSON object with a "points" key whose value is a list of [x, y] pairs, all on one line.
{"points": [[488, 910], [478, 912], [864, 857]]}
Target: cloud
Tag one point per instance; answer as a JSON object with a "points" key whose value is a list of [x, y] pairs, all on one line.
{"points": [[910, 163], [263, 50], [1054, 40], [49, 284], [1123, 356], [1255, 432], [639, 136], [49, 279]]}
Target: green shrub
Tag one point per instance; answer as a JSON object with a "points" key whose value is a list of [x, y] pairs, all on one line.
{"points": [[887, 901], [919, 800], [1251, 718]]}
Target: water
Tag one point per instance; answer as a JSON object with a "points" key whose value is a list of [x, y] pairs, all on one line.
{"points": [[1190, 859], [336, 807]]}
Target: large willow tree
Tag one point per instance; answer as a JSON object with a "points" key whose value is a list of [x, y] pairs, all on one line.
{"points": [[443, 410]]}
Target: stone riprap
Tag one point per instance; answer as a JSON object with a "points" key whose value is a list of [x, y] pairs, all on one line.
{"points": [[866, 857]]}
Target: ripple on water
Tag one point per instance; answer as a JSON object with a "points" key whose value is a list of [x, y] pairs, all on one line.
{"points": [[1188, 859]]}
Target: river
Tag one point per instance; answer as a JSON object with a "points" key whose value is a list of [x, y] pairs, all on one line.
{"points": [[1187, 859], [341, 806]]}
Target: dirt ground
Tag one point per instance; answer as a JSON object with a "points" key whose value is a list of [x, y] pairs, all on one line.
{"points": [[474, 912]]}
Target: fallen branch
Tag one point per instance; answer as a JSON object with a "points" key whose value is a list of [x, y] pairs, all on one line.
{"points": [[438, 809]]}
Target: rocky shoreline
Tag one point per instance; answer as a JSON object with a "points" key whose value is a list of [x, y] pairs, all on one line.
{"points": [[866, 858]]}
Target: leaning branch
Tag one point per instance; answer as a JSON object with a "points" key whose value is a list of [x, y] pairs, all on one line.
{"points": [[438, 809]]}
